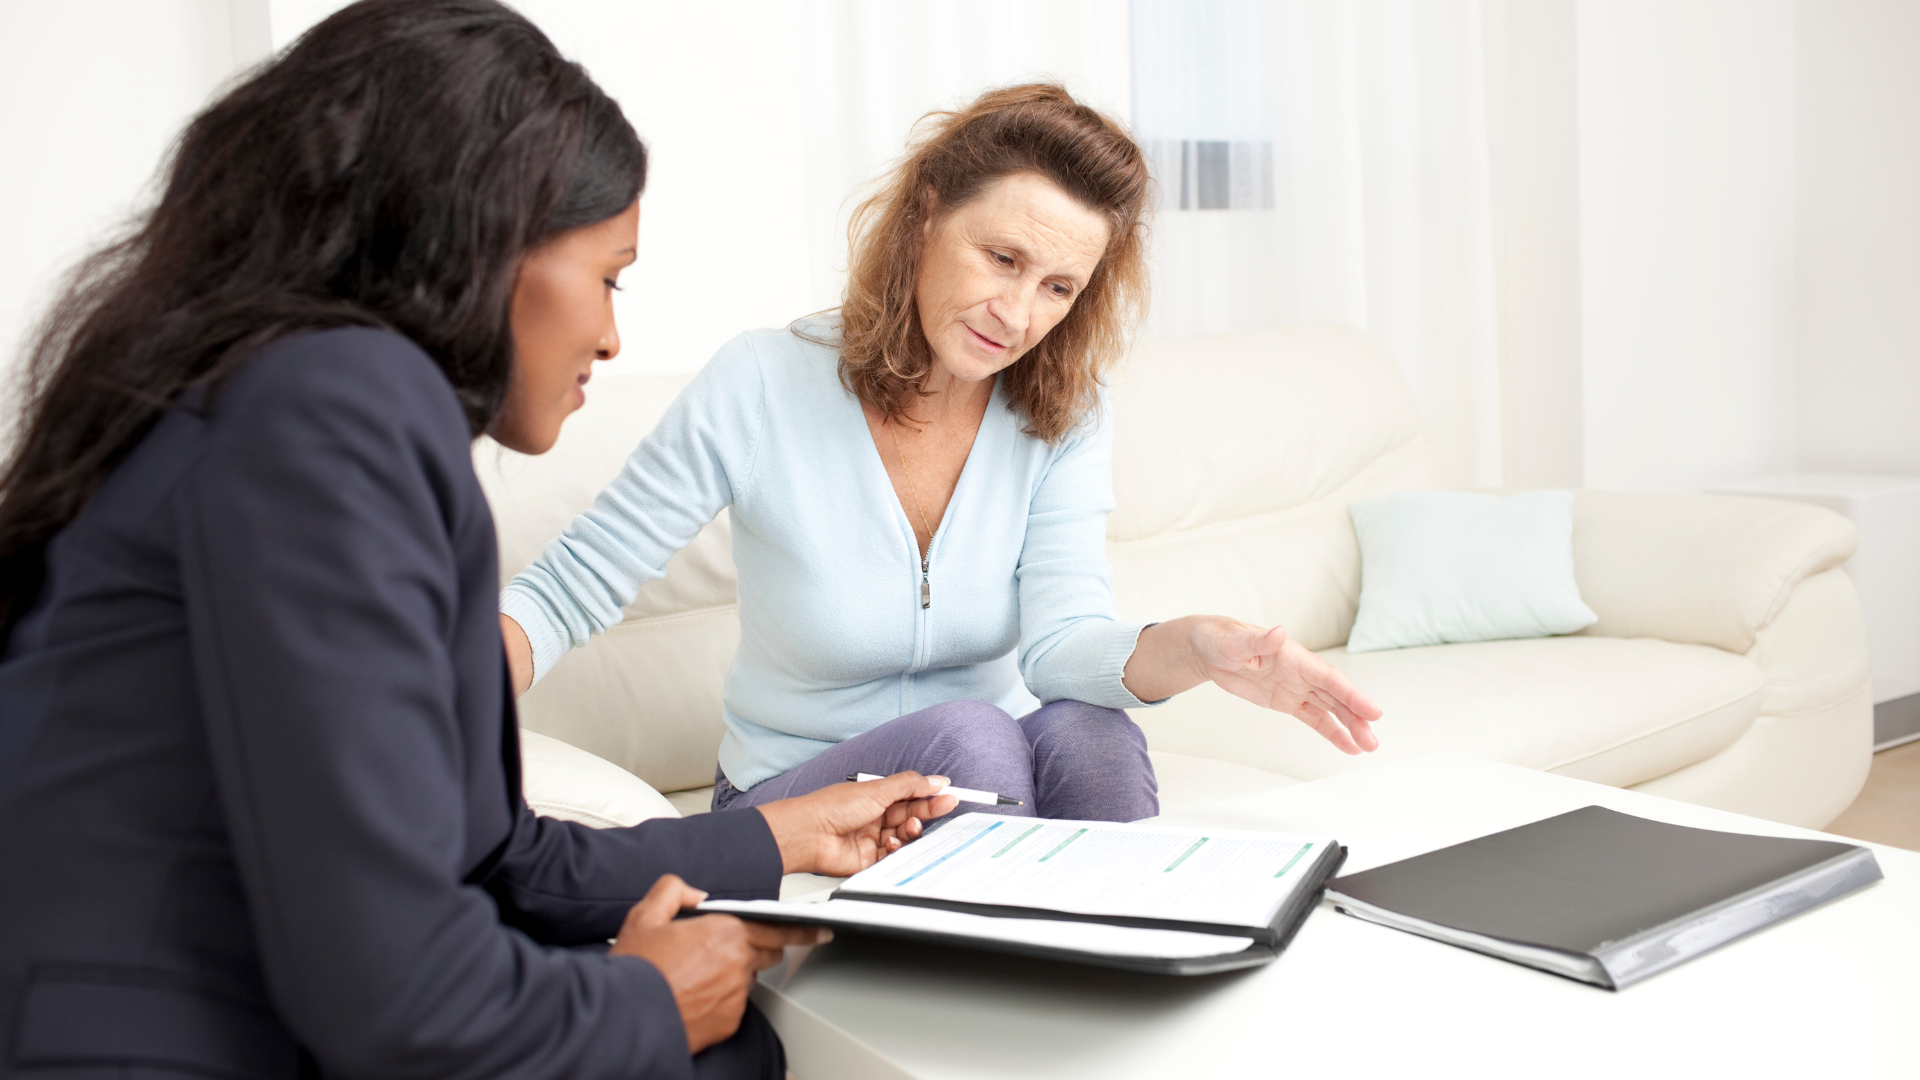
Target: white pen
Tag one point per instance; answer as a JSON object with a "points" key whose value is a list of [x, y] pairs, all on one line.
{"points": [[961, 793]]}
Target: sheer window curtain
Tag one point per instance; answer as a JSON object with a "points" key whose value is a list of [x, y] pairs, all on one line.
{"points": [[1328, 160], [875, 67]]}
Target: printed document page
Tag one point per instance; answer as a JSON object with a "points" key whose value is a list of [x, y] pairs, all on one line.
{"points": [[1098, 938], [1099, 868]]}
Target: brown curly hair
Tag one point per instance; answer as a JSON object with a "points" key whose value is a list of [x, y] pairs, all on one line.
{"points": [[955, 156]]}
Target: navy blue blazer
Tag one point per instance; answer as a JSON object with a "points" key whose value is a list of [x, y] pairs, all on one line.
{"points": [[260, 810]]}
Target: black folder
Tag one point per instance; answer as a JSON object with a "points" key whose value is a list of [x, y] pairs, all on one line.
{"points": [[1601, 896]]}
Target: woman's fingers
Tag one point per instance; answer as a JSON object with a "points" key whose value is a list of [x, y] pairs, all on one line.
{"points": [[902, 812], [1332, 683], [1335, 715], [773, 937], [1353, 708], [766, 943], [1272, 641], [1358, 727], [908, 815], [1244, 647], [889, 801], [903, 787], [668, 897], [844, 828], [1268, 668], [1320, 720], [1360, 723]]}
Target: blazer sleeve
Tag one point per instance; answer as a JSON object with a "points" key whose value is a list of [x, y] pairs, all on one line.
{"points": [[680, 476], [320, 589], [565, 883], [1072, 643]]}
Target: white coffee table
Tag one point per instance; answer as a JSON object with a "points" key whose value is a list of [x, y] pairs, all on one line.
{"points": [[1835, 992]]}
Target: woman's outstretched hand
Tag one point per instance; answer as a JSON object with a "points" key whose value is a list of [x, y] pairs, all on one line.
{"points": [[1264, 666], [841, 830]]}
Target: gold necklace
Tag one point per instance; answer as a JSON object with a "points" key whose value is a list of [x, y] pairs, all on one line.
{"points": [[926, 589]]}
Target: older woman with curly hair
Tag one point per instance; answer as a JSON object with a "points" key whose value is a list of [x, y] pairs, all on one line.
{"points": [[919, 485]]}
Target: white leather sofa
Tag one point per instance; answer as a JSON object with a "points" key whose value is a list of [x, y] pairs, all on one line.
{"points": [[1728, 668]]}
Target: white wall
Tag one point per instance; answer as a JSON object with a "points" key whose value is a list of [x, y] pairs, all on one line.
{"points": [[1857, 210], [723, 238], [92, 92], [1533, 127], [1686, 234]]}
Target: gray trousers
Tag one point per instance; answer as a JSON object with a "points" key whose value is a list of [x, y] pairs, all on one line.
{"points": [[1066, 759]]}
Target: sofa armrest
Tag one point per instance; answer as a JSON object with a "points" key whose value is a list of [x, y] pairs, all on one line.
{"points": [[561, 780], [1705, 569]]}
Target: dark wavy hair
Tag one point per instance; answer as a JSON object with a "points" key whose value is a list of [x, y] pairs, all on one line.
{"points": [[390, 169]]}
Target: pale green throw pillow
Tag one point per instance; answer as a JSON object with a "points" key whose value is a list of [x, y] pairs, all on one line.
{"points": [[1447, 566]]}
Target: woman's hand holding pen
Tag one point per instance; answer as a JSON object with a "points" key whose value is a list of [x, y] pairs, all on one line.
{"points": [[843, 829], [1263, 665]]}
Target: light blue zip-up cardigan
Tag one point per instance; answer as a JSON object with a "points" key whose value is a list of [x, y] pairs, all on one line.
{"points": [[834, 640]]}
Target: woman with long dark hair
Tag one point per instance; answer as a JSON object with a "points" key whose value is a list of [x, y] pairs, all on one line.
{"points": [[258, 762]]}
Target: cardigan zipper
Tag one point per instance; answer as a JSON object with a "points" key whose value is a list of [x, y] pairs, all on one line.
{"points": [[926, 588]]}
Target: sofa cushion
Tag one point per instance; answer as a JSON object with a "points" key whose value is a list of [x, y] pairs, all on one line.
{"points": [[1187, 781], [1451, 566], [692, 801], [566, 782], [1615, 711]]}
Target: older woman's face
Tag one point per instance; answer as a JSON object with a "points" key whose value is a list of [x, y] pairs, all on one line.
{"points": [[1002, 270]]}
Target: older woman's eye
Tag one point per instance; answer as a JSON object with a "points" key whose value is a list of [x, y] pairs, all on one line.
{"points": [[612, 284], [1062, 291], [1002, 258]]}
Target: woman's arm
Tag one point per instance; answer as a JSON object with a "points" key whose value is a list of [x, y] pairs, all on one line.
{"points": [[1072, 642], [680, 476], [576, 886], [519, 655]]}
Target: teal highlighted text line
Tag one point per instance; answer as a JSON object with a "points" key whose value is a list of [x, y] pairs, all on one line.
{"points": [[1304, 848], [1062, 844], [971, 840], [1183, 855], [1014, 841]]}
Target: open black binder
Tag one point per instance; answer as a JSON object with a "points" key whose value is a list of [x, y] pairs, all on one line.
{"points": [[1604, 897], [874, 902]]}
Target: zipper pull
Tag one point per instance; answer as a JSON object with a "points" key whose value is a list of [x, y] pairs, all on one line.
{"points": [[926, 589]]}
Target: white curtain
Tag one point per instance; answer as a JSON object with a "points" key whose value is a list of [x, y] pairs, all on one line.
{"points": [[1328, 160], [875, 67]]}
